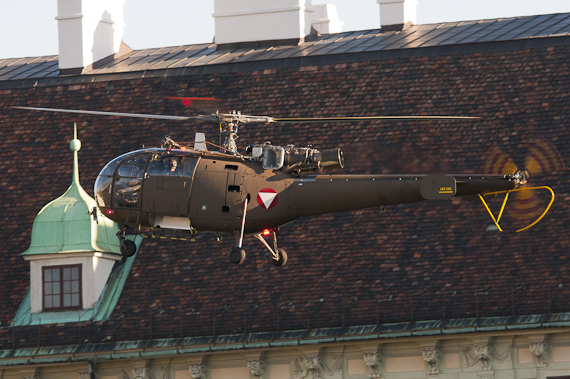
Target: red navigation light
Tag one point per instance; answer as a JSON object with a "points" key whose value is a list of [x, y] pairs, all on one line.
{"points": [[266, 232], [110, 212]]}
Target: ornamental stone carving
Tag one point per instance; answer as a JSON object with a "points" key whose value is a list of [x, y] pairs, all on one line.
{"points": [[197, 371], [538, 350], [256, 368], [372, 360], [139, 372], [314, 365], [431, 356], [483, 354]]}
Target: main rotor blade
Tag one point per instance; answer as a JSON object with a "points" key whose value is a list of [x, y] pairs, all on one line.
{"points": [[369, 118], [140, 115], [247, 118]]}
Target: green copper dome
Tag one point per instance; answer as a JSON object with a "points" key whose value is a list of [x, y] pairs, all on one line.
{"points": [[68, 225]]}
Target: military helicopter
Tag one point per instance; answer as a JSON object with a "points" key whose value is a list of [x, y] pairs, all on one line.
{"points": [[265, 187]]}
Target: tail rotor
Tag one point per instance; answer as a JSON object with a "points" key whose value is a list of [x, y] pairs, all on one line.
{"points": [[528, 204]]}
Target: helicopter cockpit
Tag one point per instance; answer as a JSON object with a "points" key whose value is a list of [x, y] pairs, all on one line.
{"points": [[127, 181]]}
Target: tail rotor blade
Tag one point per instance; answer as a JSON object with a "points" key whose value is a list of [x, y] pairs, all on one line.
{"points": [[526, 206], [499, 163], [542, 157]]}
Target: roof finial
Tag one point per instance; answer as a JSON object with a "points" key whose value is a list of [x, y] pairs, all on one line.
{"points": [[75, 146]]}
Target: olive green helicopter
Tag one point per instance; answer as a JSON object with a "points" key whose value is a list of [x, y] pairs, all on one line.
{"points": [[192, 188]]}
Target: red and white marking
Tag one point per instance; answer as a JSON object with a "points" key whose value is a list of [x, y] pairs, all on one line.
{"points": [[267, 198]]}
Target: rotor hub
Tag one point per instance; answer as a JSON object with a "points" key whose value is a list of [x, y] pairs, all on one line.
{"points": [[521, 177]]}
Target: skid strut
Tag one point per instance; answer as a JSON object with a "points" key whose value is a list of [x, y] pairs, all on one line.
{"points": [[240, 242], [128, 248], [278, 256], [237, 254]]}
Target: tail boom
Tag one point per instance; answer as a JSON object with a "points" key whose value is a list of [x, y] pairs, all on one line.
{"points": [[337, 193]]}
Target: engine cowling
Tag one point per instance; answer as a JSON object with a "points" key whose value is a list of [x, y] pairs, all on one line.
{"points": [[297, 159]]}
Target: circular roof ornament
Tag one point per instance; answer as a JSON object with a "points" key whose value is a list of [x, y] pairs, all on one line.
{"points": [[75, 144]]}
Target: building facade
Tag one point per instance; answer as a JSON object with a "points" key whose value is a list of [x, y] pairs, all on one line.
{"points": [[411, 291]]}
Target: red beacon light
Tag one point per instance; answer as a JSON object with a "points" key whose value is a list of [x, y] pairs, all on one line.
{"points": [[266, 232], [110, 212]]}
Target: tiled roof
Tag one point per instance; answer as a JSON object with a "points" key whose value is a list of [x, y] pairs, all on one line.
{"points": [[427, 261], [454, 34]]}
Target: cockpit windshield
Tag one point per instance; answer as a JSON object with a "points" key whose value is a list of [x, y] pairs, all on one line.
{"points": [[127, 183]]}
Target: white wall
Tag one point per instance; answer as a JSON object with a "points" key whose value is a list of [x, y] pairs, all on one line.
{"points": [[96, 268], [261, 20], [325, 19], [395, 12], [88, 30]]}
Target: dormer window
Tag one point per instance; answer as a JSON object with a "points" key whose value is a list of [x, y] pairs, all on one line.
{"points": [[61, 287]]}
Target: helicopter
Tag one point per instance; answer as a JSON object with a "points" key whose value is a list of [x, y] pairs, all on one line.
{"points": [[192, 188]]}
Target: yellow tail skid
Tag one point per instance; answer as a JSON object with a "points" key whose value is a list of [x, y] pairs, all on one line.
{"points": [[498, 219]]}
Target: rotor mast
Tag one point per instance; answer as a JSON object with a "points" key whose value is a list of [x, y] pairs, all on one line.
{"points": [[229, 129], [229, 125]]}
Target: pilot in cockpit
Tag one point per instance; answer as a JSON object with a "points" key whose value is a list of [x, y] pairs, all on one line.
{"points": [[173, 167], [165, 166]]}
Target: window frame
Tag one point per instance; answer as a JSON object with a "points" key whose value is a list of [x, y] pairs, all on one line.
{"points": [[61, 293]]}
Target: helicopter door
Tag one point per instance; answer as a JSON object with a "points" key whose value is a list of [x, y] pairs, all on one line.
{"points": [[217, 196], [167, 185], [234, 194]]}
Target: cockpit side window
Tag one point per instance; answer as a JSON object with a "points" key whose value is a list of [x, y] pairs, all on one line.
{"points": [[131, 171], [164, 165], [128, 182], [110, 167], [127, 192], [169, 165], [188, 166]]}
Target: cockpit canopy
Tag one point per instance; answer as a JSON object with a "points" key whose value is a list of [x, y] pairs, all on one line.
{"points": [[120, 183]]}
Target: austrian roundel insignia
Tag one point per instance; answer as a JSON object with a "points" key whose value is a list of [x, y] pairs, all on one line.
{"points": [[267, 198]]}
